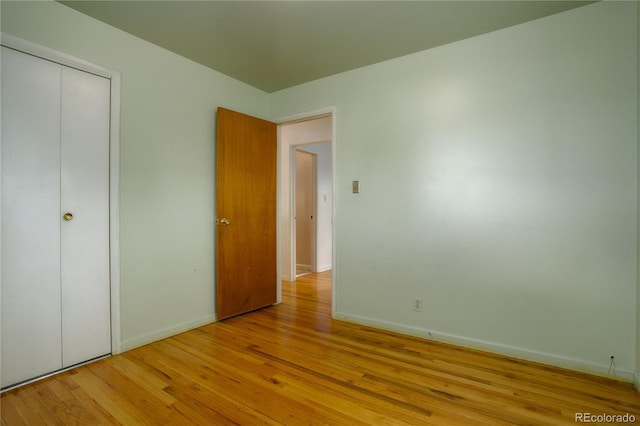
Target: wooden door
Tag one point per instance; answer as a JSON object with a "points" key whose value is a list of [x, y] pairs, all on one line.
{"points": [[305, 211], [245, 213], [55, 270]]}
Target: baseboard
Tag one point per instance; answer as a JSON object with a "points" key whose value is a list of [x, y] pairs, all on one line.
{"points": [[165, 332], [636, 381], [302, 270], [325, 268], [497, 348], [287, 277]]}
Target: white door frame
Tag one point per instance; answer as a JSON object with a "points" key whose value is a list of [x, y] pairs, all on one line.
{"points": [[37, 50], [330, 111]]}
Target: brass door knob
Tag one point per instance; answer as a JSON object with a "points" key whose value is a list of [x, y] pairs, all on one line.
{"points": [[67, 216], [224, 221]]}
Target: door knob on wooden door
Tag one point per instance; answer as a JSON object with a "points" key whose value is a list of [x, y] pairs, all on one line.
{"points": [[224, 221], [67, 216]]}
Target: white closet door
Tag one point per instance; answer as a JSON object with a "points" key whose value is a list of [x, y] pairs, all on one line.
{"points": [[55, 288], [31, 314], [86, 317]]}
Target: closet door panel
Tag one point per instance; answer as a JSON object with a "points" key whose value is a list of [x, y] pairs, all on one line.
{"points": [[86, 319], [30, 233]]}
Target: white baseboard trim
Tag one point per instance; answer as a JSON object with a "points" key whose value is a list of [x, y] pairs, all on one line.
{"points": [[636, 380], [165, 332], [497, 348], [325, 268]]}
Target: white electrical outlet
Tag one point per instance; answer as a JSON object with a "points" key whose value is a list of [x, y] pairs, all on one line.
{"points": [[417, 304]]}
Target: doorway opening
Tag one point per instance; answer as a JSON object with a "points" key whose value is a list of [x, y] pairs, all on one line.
{"points": [[312, 135]]}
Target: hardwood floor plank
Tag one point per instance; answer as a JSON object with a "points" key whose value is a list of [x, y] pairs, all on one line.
{"points": [[151, 385], [291, 364], [67, 410], [100, 413], [34, 411], [218, 396], [108, 398], [14, 411], [254, 382]]}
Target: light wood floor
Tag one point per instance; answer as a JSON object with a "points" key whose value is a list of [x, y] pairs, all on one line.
{"points": [[291, 364]]}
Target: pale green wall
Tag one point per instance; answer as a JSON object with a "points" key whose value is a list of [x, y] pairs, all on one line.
{"points": [[166, 160], [498, 183]]}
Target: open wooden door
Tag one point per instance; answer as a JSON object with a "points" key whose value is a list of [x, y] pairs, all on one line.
{"points": [[245, 213], [305, 211]]}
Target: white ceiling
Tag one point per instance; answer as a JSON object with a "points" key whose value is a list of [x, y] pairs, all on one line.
{"points": [[273, 45]]}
